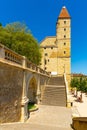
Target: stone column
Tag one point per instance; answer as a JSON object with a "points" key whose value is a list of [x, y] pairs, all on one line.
{"points": [[25, 100], [38, 95]]}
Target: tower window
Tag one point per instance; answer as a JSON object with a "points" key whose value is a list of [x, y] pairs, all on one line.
{"points": [[46, 54], [44, 47], [48, 60], [64, 29], [64, 43], [51, 47], [64, 36], [64, 52], [64, 22]]}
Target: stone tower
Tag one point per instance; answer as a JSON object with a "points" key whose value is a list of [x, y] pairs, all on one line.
{"points": [[56, 56], [63, 39]]}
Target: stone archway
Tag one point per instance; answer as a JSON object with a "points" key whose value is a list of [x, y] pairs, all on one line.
{"points": [[32, 90]]}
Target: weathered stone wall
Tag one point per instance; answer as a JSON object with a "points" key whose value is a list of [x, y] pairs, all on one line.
{"points": [[11, 82], [64, 65], [16, 72], [60, 32], [50, 55]]}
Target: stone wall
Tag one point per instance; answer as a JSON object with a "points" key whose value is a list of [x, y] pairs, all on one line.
{"points": [[11, 80], [60, 28], [49, 57], [16, 72], [79, 123]]}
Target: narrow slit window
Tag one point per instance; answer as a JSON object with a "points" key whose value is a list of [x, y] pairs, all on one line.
{"points": [[64, 43], [64, 22], [46, 54], [64, 36], [45, 61], [64, 52], [64, 29]]}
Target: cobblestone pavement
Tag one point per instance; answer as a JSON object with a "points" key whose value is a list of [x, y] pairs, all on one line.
{"points": [[46, 118]]}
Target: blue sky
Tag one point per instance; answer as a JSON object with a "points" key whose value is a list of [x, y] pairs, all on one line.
{"points": [[41, 16]]}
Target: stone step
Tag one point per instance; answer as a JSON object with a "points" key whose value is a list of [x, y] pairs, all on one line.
{"points": [[48, 99], [46, 102], [56, 80], [55, 92], [55, 86], [52, 102]]}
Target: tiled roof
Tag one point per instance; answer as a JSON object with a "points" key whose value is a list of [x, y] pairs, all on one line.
{"points": [[64, 13], [77, 75], [48, 42]]}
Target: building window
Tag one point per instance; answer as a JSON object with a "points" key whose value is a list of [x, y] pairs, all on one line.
{"points": [[45, 61], [51, 47], [45, 68], [64, 43], [48, 60], [44, 47], [64, 36], [64, 22], [64, 29], [64, 52], [46, 54]]}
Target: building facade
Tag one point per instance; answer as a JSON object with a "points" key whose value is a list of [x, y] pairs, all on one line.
{"points": [[56, 50]]}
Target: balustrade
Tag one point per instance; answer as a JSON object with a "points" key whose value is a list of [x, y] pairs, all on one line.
{"points": [[9, 55]]}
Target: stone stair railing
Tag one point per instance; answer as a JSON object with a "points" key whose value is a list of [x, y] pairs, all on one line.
{"points": [[12, 57], [66, 86]]}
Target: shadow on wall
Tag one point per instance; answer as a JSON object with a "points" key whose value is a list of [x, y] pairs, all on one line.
{"points": [[32, 90]]}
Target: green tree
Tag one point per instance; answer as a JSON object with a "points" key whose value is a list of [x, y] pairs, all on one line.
{"points": [[85, 89], [80, 84], [18, 37], [74, 84]]}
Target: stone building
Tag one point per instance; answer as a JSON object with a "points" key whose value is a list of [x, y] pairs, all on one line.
{"points": [[56, 50]]}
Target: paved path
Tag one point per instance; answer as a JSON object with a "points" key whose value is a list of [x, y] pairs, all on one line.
{"points": [[46, 118], [51, 117], [81, 108]]}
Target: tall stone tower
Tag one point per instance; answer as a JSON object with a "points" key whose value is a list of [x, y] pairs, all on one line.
{"points": [[63, 41], [56, 55]]}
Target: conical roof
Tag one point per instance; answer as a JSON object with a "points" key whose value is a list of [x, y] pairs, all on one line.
{"points": [[64, 13]]}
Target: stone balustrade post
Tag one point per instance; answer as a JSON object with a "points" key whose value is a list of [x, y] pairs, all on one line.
{"points": [[2, 52], [38, 96], [24, 62]]}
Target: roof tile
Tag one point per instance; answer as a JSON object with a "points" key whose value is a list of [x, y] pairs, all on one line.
{"points": [[64, 13]]}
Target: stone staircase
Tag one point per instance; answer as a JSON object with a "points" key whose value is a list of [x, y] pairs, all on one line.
{"points": [[55, 92]]}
